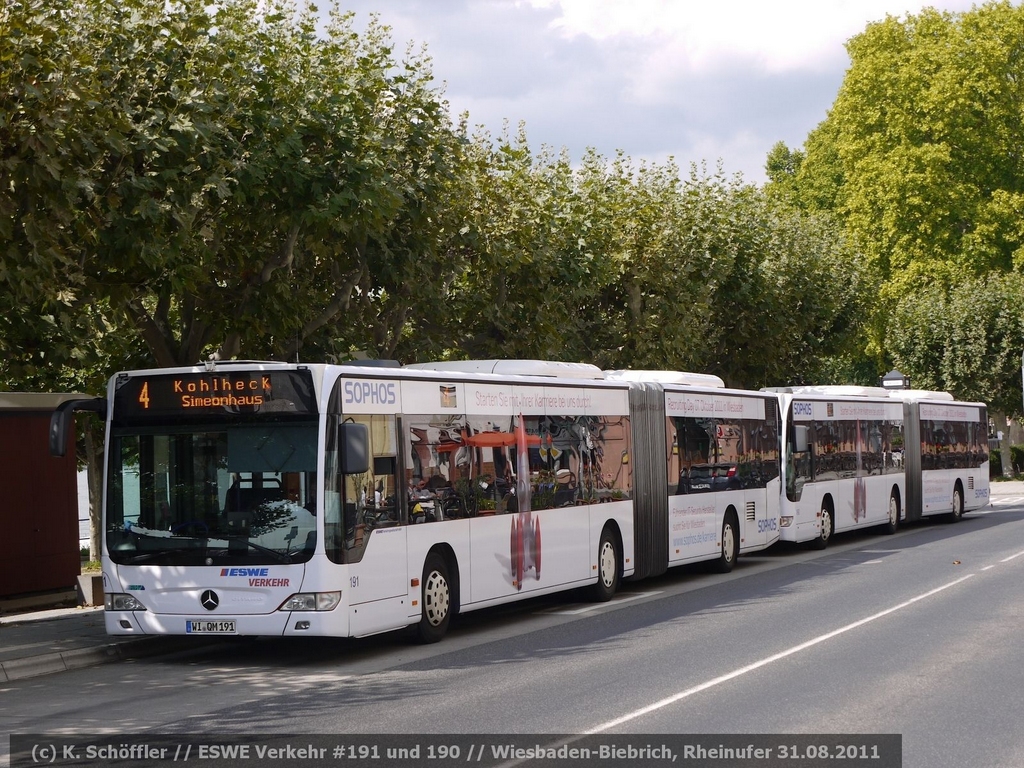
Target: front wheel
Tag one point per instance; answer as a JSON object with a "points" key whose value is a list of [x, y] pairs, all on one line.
{"points": [[730, 546], [436, 600], [607, 568], [825, 531]]}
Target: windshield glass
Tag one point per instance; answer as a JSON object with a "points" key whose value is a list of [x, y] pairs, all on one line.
{"points": [[212, 494]]}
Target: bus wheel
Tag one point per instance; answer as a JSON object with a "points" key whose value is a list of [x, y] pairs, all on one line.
{"points": [[607, 568], [958, 504], [893, 522], [825, 532], [436, 600], [730, 546]]}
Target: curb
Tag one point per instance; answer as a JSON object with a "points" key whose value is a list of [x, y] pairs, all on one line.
{"points": [[79, 658]]}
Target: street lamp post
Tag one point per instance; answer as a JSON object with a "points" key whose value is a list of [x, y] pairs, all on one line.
{"points": [[896, 380]]}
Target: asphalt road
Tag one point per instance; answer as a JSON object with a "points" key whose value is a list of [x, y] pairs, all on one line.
{"points": [[917, 633]]}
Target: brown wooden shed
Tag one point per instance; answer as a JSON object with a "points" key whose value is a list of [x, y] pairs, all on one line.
{"points": [[38, 499]]}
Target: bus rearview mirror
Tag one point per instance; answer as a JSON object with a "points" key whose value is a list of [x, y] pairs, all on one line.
{"points": [[801, 438], [354, 444], [60, 420]]}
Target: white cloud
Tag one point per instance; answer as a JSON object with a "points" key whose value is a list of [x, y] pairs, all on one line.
{"points": [[700, 81], [780, 35]]}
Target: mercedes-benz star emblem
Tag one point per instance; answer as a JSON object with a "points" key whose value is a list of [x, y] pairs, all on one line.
{"points": [[209, 600]]}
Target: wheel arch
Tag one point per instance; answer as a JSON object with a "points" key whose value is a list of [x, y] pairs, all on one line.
{"points": [[451, 561], [828, 501]]}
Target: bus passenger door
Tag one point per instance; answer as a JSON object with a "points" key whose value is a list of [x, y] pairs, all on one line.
{"points": [[367, 532], [381, 573]]}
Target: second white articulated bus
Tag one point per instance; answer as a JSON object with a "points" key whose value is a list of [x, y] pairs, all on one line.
{"points": [[858, 457], [249, 498]]}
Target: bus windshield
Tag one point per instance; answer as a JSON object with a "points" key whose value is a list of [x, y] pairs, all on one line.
{"points": [[212, 494]]}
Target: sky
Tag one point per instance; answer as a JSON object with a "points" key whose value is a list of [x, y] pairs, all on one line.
{"points": [[712, 82]]}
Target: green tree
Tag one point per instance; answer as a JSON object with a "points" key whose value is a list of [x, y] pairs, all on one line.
{"points": [[920, 154], [966, 340], [919, 159], [200, 167]]}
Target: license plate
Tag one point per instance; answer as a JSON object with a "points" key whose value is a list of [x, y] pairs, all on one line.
{"points": [[210, 627]]}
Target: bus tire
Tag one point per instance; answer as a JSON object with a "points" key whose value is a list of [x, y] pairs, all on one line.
{"points": [[825, 530], [608, 568], [893, 523], [958, 504], [436, 600], [730, 544]]}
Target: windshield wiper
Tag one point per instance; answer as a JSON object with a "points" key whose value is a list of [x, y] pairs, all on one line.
{"points": [[281, 557], [147, 556], [144, 557]]}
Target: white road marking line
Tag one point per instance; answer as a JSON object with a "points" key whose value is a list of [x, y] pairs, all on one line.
{"points": [[766, 661], [1011, 557]]}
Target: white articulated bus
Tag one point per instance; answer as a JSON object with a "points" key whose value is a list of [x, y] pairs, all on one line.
{"points": [[844, 466], [865, 456], [947, 457], [247, 498]]}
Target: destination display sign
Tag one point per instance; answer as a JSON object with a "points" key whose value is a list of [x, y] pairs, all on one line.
{"points": [[227, 394]]}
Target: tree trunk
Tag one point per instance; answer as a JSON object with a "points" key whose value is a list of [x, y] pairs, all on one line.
{"points": [[1016, 432], [94, 473], [1005, 457]]}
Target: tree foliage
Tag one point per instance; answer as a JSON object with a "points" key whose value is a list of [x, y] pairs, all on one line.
{"points": [[967, 340], [247, 178], [198, 168], [921, 158], [923, 145]]}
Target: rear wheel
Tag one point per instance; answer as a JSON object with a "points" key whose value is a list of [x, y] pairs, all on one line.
{"points": [[436, 600], [825, 530], [730, 546], [607, 568], [958, 504], [893, 523]]}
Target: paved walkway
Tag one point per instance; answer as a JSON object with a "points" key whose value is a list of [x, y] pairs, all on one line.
{"points": [[62, 639], [58, 640]]}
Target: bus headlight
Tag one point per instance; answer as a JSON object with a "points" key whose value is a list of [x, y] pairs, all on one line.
{"points": [[785, 522], [119, 601], [312, 601]]}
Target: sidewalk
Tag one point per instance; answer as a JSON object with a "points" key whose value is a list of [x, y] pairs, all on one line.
{"points": [[62, 639], [1006, 488]]}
